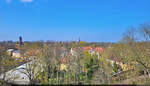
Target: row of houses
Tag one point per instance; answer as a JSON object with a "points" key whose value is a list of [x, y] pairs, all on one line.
{"points": [[74, 52], [62, 53], [18, 54], [97, 50]]}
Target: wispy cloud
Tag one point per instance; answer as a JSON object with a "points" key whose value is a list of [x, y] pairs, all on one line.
{"points": [[8, 1], [23, 1], [26, 1]]}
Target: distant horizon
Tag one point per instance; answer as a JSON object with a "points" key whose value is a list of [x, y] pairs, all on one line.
{"points": [[67, 20], [56, 41]]}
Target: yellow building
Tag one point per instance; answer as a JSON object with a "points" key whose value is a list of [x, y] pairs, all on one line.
{"points": [[124, 67], [63, 67]]}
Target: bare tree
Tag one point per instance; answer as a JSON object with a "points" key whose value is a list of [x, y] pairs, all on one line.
{"points": [[144, 30], [32, 70]]}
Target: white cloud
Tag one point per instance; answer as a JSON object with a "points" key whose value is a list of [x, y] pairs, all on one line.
{"points": [[8, 1], [23, 1], [26, 0]]}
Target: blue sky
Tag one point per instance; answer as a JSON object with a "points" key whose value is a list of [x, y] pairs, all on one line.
{"points": [[67, 20]]}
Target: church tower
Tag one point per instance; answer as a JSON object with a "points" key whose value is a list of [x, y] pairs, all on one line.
{"points": [[79, 40]]}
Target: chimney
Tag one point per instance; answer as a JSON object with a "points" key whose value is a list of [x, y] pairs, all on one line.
{"points": [[20, 41]]}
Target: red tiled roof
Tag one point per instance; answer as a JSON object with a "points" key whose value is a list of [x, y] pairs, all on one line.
{"points": [[115, 59], [63, 59], [87, 48], [99, 49], [33, 52], [62, 48], [73, 48]]}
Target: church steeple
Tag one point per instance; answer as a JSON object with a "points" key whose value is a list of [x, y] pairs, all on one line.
{"points": [[79, 40]]}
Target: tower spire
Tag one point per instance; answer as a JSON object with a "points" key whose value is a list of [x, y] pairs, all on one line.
{"points": [[79, 39]]}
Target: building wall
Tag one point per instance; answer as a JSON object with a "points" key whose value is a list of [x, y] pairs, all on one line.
{"points": [[16, 55]]}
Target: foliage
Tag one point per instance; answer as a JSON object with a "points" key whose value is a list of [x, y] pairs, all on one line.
{"points": [[82, 44], [129, 58]]}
